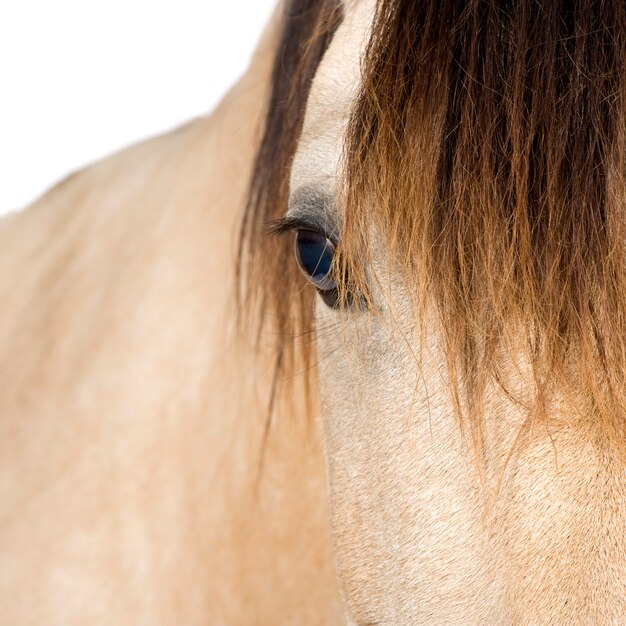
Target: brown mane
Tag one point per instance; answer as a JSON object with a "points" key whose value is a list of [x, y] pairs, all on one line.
{"points": [[272, 289], [487, 148]]}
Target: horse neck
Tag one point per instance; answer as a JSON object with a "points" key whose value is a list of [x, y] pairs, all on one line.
{"points": [[131, 415]]}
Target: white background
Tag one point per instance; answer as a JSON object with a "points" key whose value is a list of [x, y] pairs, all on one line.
{"points": [[80, 79]]}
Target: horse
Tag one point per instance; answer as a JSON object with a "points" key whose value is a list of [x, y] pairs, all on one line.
{"points": [[389, 390]]}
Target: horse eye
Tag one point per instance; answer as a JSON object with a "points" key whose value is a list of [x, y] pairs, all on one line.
{"points": [[315, 253]]}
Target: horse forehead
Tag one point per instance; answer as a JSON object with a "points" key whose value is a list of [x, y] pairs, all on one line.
{"points": [[333, 92]]}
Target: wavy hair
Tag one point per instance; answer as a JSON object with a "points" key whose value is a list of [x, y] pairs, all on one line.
{"points": [[486, 149]]}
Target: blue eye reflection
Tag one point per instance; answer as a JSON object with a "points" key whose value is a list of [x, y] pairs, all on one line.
{"points": [[315, 254]]}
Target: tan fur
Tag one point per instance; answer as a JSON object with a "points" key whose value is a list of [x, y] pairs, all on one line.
{"points": [[423, 533], [132, 420]]}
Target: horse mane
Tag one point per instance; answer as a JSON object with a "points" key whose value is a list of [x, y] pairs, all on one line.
{"points": [[272, 292], [486, 149]]}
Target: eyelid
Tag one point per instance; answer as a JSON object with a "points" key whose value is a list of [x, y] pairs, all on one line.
{"points": [[293, 223]]}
